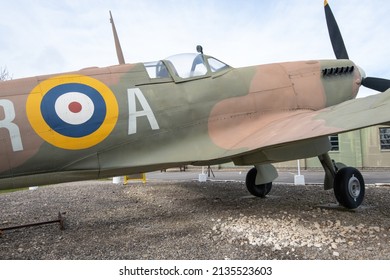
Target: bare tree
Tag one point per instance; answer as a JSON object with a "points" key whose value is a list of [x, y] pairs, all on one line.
{"points": [[4, 74]]}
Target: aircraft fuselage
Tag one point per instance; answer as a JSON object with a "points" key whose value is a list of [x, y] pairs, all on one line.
{"points": [[101, 122]]}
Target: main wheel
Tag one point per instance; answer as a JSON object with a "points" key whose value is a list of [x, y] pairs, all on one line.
{"points": [[257, 190], [349, 187]]}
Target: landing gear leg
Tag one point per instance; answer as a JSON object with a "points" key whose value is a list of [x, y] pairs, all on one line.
{"points": [[330, 170]]}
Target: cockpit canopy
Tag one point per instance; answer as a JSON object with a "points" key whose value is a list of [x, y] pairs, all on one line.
{"points": [[185, 66]]}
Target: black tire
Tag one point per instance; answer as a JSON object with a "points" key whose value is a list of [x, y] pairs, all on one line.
{"points": [[257, 190], [349, 187]]}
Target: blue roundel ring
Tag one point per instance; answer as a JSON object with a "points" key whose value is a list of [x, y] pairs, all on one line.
{"points": [[52, 119]]}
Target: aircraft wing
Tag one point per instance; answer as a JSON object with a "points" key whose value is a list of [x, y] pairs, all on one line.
{"points": [[283, 128]]}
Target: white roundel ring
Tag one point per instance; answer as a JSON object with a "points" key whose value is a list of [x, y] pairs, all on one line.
{"points": [[74, 108]]}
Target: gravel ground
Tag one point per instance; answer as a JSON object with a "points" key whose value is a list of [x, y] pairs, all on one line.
{"points": [[192, 220]]}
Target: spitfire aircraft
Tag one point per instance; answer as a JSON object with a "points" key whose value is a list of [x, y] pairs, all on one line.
{"points": [[188, 109]]}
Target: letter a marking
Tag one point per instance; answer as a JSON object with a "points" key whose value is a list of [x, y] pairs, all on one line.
{"points": [[132, 94]]}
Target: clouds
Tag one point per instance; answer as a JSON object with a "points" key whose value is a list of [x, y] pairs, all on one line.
{"points": [[55, 36]]}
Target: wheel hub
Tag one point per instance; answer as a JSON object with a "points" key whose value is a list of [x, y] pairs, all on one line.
{"points": [[354, 187]]}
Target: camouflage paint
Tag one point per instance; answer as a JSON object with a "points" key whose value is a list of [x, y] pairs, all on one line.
{"points": [[215, 118]]}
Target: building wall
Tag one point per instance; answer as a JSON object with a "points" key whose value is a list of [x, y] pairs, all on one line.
{"points": [[359, 149], [373, 155]]}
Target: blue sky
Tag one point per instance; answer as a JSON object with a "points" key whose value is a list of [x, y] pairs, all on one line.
{"points": [[43, 36]]}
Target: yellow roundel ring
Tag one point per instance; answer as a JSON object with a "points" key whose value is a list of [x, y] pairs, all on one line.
{"points": [[72, 112]]}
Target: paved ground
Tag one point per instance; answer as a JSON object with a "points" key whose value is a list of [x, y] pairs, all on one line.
{"points": [[285, 177]]}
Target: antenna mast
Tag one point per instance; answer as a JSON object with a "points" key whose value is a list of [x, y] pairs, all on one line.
{"points": [[118, 47]]}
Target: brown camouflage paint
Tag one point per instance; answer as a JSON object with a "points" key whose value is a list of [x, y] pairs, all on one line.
{"points": [[277, 92]]}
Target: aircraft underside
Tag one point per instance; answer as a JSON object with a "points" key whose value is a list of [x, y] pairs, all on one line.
{"points": [[347, 182]]}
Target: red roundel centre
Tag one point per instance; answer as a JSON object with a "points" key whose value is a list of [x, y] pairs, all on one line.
{"points": [[75, 107]]}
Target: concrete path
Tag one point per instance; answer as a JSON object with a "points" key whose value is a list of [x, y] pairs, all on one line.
{"points": [[311, 177]]}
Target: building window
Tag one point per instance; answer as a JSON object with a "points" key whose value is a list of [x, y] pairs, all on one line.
{"points": [[334, 142], [384, 137]]}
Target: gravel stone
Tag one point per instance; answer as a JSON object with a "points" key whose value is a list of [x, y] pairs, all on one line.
{"points": [[192, 220]]}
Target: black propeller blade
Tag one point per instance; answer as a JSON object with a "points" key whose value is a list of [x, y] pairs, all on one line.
{"points": [[335, 35], [376, 83], [341, 52]]}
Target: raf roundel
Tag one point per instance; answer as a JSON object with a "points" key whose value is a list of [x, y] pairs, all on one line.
{"points": [[72, 112]]}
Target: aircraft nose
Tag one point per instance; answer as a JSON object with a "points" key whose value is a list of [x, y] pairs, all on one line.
{"points": [[362, 73]]}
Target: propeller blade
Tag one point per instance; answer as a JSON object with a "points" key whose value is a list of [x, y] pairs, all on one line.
{"points": [[378, 84], [334, 33]]}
